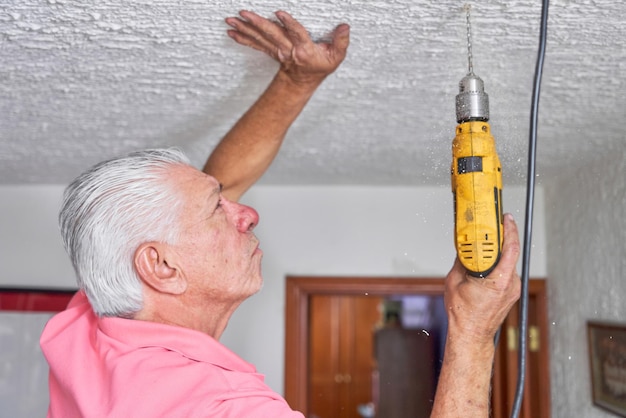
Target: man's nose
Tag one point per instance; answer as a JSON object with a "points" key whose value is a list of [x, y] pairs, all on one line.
{"points": [[246, 217]]}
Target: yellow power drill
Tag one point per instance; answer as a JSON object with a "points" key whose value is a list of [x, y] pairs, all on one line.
{"points": [[476, 178]]}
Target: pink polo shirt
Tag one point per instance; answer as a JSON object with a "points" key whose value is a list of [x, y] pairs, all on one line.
{"points": [[114, 367]]}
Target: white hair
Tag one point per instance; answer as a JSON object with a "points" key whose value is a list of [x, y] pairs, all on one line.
{"points": [[107, 212]]}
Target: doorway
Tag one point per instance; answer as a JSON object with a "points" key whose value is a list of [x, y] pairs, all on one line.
{"points": [[301, 292]]}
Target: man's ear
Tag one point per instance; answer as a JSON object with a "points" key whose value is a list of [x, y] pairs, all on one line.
{"points": [[153, 268]]}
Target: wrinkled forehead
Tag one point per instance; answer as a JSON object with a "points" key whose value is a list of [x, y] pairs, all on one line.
{"points": [[189, 179], [198, 191]]}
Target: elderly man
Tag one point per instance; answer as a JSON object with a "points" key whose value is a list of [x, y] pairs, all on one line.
{"points": [[164, 255]]}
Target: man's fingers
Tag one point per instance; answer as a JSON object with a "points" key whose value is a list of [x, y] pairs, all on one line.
{"points": [[287, 41], [504, 276], [298, 35], [341, 40], [511, 245], [244, 40], [244, 34], [260, 33], [275, 34]]}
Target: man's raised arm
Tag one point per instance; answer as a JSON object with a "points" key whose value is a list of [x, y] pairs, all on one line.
{"points": [[249, 148]]}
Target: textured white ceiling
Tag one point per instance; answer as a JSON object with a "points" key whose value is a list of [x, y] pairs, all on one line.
{"points": [[81, 82]]}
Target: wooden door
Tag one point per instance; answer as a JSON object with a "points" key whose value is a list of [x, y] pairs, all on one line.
{"points": [[341, 354]]}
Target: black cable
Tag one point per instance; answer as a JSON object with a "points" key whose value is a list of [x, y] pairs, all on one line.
{"points": [[530, 198]]}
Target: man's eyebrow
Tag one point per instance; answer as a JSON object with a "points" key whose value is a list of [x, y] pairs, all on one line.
{"points": [[216, 191]]}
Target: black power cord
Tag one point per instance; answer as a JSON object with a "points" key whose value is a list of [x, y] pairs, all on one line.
{"points": [[530, 198]]}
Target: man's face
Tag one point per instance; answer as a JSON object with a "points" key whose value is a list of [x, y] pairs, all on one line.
{"points": [[217, 250]]}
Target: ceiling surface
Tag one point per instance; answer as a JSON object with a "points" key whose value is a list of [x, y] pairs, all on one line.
{"points": [[83, 82]]}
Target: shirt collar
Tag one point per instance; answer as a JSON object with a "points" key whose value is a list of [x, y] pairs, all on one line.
{"points": [[190, 343]]}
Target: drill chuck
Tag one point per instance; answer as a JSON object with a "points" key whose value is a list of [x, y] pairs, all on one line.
{"points": [[472, 103]]}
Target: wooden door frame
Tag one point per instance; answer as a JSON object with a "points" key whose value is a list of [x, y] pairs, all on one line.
{"points": [[300, 288]]}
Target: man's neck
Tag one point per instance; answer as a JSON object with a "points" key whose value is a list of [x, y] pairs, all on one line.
{"points": [[210, 318]]}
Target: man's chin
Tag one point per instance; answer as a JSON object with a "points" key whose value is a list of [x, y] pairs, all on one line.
{"points": [[255, 283]]}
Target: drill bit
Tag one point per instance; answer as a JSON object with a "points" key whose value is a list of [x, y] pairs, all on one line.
{"points": [[470, 65]]}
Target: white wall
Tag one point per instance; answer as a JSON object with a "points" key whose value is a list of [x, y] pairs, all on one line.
{"points": [[351, 231], [31, 252], [586, 229]]}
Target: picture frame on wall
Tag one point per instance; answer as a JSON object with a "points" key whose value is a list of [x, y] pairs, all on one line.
{"points": [[23, 368], [607, 358]]}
